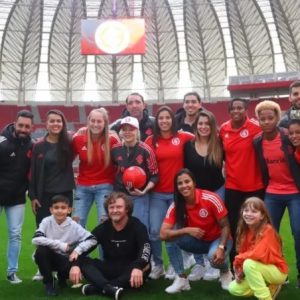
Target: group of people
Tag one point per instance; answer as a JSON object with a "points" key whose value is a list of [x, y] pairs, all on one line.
{"points": [[203, 196]]}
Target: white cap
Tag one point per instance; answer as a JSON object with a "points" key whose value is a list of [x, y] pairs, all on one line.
{"points": [[130, 121]]}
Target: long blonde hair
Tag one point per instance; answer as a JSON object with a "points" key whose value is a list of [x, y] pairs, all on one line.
{"points": [[214, 150], [242, 228], [104, 136]]}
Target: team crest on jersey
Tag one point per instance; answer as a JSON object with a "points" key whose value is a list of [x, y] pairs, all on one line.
{"points": [[139, 159], [203, 213], [176, 141], [84, 148], [102, 147], [244, 133], [226, 135]]}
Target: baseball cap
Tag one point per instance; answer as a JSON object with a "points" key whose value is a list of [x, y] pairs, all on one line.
{"points": [[130, 121]]}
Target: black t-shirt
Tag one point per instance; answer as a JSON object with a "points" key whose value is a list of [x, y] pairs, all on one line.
{"points": [[129, 246], [208, 176]]}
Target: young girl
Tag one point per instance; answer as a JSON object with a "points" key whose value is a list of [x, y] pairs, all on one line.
{"points": [[259, 266]]}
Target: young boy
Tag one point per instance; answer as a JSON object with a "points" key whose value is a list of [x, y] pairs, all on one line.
{"points": [[59, 241]]}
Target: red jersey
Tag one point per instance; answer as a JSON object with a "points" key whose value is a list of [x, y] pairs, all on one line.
{"points": [[241, 166], [204, 214], [280, 177], [169, 156], [94, 173], [265, 249]]}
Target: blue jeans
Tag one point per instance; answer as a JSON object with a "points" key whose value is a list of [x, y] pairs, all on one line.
{"points": [[159, 204], [141, 208], [199, 258], [221, 192], [196, 246], [276, 205], [15, 219], [84, 198]]}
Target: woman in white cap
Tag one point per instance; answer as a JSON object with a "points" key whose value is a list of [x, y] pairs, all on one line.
{"points": [[132, 152]]}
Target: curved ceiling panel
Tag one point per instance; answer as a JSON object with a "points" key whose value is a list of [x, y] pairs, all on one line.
{"points": [[20, 50], [250, 37], [113, 73], [205, 47], [67, 67], [161, 62], [286, 15]]}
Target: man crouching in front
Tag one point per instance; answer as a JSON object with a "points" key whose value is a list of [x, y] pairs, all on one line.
{"points": [[126, 252]]}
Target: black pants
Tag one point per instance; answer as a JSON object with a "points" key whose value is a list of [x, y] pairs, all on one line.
{"points": [[234, 200], [44, 211], [48, 261], [99, 273]]}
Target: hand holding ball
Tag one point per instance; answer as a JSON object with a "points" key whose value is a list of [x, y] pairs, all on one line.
{"points": [[134, 178]]}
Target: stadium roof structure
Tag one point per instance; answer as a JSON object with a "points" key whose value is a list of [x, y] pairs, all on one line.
{"points": [[190, 45]]}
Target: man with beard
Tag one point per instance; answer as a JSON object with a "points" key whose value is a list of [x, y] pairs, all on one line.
{"points": [[15, 148], [294, 111], [187, 115], [126, 252], [135, 107]]}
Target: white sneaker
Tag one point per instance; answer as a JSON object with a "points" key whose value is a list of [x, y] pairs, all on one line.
{"points": [[225, 279], [157, 272], [211, 273], [188, 260], [170, 273], [38, 276], [13, 278], [197, 273], [179, 284]]}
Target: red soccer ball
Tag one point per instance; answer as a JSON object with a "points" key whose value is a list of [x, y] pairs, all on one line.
{"points": [[134, 177]]}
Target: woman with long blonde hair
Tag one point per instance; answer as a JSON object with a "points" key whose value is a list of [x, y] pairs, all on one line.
{"points": [[96, 172]]}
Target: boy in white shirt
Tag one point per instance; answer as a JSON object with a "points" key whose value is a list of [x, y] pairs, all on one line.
{"points": [[59, 241]]}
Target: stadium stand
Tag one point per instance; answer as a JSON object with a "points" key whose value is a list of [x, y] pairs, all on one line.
{"points": [[76, 115]]}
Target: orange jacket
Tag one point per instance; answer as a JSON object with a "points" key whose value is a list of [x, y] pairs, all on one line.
{"points": [[265, 249]]}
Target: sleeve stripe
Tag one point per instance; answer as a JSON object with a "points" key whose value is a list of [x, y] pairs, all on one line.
{"points": [[214, 200]]}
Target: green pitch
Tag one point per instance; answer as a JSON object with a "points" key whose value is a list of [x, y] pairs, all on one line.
{"points": [[153, 290]]}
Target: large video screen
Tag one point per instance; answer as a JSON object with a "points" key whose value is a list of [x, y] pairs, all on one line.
{"points": [[113, 36]]}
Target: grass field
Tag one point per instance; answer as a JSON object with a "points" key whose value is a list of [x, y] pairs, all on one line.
{"points": [[153, 289]]}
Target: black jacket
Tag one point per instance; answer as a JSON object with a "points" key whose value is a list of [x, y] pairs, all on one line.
{"points": [[290, 114], [14, 167], [179, 117], [146, 124], [37, 176], [289, 152]]}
